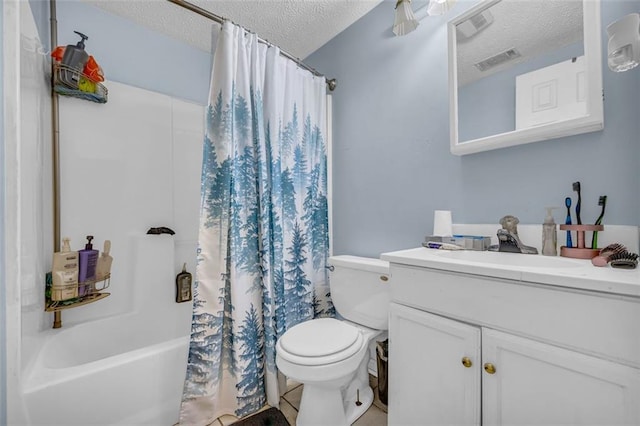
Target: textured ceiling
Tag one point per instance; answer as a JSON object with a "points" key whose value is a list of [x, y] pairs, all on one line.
{"points": [[299, 27], [530, 26]]}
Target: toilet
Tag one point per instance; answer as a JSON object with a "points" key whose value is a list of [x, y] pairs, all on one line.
{"points": [[330, 356]]}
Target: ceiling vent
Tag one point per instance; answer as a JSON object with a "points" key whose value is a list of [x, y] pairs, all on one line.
{"points": [[500, 58], [472, 26]]}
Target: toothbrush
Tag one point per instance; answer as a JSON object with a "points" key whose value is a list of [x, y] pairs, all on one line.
{"points": [[602, 201], [576, 187], [567, 202]]}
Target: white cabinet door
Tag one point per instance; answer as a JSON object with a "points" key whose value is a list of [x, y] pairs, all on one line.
{"points": [[428, 383], [540, 384]]}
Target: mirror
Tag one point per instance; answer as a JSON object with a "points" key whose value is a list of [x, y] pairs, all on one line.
{"points": [[523, 72]]}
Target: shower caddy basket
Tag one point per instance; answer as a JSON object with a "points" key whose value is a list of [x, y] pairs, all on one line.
{"points": [[73, 90], [91, 291]]}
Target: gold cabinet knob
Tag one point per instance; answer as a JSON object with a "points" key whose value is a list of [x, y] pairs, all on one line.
{"points": [[490, 368], [466, 361]]}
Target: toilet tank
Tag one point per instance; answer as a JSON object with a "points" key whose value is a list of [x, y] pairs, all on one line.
{"points": [[360, 290]]}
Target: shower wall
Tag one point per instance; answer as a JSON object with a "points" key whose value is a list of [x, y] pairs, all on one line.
{"points": [[27, 178], [3, 341], [126, 166]]}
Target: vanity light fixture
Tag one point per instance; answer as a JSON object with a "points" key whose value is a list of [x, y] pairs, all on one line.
{"points": [[406, 20], [439, 7], [624, 43]]}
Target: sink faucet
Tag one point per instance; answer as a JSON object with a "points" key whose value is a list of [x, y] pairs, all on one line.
{"points": [[508, 240]]}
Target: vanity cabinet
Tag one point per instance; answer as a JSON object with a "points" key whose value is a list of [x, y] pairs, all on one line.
{"points": [[428, 384], [470, 350]]}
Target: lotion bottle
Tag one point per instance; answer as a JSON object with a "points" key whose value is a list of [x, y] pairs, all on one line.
{"points": [[88, 262], [549, 234], [75, 57], [64, 273]]}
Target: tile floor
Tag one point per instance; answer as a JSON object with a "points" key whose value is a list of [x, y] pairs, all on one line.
{"points": [[376, 415]]}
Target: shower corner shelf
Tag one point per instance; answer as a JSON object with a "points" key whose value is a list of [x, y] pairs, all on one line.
{"points": [[93, 293], [99, 95]]}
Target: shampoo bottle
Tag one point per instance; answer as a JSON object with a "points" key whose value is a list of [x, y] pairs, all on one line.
{"points": [[88, 261], [64, 273], [104, 261], [74, 57], [549, 234]]}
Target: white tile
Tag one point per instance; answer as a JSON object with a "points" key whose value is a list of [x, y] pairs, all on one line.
{"points": [[372, 417], [294, 396], [290, 413], [292, 384], [378, 403], [227, 419], [373, 382]]}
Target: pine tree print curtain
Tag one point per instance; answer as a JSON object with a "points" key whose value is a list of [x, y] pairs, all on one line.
{"points": [[263, 239]]}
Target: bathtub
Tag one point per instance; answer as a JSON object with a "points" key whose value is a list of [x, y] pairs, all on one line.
{"points": [[80, 379], [125, 369]]}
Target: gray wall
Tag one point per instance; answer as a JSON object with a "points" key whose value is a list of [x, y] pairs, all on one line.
{"points": [[392, 165], [129, 53]]}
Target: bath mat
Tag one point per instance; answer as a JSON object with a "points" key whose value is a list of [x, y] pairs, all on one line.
{"points": [[270, 417]]}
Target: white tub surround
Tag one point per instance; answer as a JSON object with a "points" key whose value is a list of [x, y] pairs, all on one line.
{"points": [[140, 386], [120, 370], [504, 338]]}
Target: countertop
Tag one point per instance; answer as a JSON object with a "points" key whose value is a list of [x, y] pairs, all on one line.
{"points": [[555, 271]]}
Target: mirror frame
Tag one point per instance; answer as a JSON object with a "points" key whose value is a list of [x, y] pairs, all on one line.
{"points": [[591, 122]]}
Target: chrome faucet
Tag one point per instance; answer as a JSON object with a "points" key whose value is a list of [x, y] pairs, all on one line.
{"points": [[508, 240]]}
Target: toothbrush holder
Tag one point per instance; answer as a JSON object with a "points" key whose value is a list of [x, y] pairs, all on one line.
{"points": [[580, 251]]}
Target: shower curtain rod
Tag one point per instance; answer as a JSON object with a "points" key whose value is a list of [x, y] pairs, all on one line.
{"points": [[331, 83]]}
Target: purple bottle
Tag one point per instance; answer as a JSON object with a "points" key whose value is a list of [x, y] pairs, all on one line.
{"points": [[87, 259]]}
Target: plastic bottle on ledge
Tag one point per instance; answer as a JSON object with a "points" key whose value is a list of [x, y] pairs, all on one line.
{"points": [[103, 267]]}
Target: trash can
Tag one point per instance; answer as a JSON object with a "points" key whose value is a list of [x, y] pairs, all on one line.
{"points": [[382, 351]]}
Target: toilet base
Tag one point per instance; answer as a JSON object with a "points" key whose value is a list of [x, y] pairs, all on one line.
{"points": [[333, 410], [325, 404], [330, 391]]}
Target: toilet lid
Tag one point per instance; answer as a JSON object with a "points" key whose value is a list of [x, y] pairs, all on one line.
{"points": [[319, 338]]}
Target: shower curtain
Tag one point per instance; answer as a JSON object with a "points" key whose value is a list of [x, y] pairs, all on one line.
{"points": [[263, 239]]}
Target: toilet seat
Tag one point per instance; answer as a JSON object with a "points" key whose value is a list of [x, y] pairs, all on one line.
{"points": [[320, 341]]}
